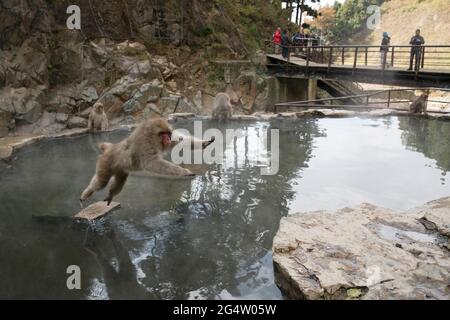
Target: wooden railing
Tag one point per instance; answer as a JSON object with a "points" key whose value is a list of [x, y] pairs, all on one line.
{"points": [[383, 99], [432, 57]]}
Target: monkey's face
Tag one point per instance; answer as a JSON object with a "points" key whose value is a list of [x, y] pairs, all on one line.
{"points": [[163, 132], [98, 108], [166, 138]]}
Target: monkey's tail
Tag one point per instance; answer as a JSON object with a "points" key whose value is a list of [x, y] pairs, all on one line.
{"points": [[104, 146]]}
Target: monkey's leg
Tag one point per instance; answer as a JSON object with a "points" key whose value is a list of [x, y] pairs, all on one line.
{"points": [[98, 182], [163, 167], [90, 124], [105, 124], [116, 186]]}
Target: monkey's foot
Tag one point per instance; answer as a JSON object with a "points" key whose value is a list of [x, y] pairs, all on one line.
{"points": [[108, 200], [81, 204]]}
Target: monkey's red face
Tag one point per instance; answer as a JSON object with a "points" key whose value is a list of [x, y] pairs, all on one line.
{"points": [[166, 138]]}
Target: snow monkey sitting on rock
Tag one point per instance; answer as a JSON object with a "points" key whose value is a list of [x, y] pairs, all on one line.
{"points": [[222, 109], [142, 150], [97, 118], [420, 104]]}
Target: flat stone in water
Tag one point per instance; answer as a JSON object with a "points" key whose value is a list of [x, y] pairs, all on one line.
{"points": [[97, 210]]}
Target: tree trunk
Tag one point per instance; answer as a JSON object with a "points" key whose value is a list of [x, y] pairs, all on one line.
{"points": [[301, 12]]}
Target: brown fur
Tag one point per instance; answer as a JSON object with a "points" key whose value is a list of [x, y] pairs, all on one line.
{"points": [[97, 118], [222, 109], [420, 104], [142, 150]]}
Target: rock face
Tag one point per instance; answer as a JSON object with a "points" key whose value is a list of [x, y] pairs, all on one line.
{"points": [[365, 252]]}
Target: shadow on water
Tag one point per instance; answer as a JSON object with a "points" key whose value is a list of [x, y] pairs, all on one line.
{"points": [[209, 237]]}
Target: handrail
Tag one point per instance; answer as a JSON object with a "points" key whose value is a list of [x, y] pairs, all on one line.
{"points": [[364, 46], [316, 103], [370, 94], [431, 57]]}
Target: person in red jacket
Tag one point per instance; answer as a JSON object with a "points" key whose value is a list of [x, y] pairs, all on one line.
{"points": [[277, 40]]}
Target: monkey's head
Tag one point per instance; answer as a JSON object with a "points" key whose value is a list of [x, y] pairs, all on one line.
{"points": [[99, 107], [159, 129]]}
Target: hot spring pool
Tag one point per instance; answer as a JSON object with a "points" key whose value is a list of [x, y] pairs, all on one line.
{"points": [[209, 237]]}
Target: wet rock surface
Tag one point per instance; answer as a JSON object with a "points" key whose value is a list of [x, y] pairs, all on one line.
{"points": [[366, 252]]}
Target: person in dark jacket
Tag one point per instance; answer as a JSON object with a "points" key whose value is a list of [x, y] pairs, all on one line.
{"points": [[416, 50], [285, 42], [384, 49]]}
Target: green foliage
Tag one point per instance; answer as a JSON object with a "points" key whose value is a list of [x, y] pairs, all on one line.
{"points": [[351, 17], [203, 31]]}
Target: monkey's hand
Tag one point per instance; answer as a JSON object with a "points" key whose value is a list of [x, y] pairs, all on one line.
{"points": [[207, 143]]}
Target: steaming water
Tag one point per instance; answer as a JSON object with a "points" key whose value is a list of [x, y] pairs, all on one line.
{"points": [[211, 236]]}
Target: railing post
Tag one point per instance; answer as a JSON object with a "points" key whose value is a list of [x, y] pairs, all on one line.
{"points": [[366, 55], [343, 52], [355, 61], [422, 57], [392, 57], [330, 58], [389, 99], [308, 53], [321, 55]]}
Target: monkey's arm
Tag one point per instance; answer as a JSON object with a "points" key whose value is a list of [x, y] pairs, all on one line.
{"points": [[190, 140], [162, 167]]}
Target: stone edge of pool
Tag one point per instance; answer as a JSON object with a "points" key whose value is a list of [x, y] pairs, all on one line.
{"points": [[365, 252], [10, 145]]}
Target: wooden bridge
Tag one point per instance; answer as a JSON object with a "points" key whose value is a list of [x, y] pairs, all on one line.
{"points": [[361, 63]]}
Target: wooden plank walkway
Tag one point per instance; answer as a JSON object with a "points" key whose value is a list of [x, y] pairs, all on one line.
{"points": [[302, 63]]}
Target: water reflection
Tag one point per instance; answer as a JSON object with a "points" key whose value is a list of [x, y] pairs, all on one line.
{"points": [[209, 237], [365, 160], [430, 137]]}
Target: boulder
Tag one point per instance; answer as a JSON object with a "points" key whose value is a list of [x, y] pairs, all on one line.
{"points": [[23, 103], [29, 66], [184, 106], [61, 118], [169, 104], [5, 122], [89, 94], [366, 252], [77, 122], [198, 100]]}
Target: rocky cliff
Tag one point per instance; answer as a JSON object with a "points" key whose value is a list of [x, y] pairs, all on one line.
{"points": [[140, 57]]}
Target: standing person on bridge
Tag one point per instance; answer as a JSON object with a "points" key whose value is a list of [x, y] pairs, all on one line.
{"points": [[285, 42], [277, 40], [384, 49], [416, 50]]}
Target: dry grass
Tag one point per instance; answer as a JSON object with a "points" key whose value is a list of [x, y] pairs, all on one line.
{"points": [[402, 17]]}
